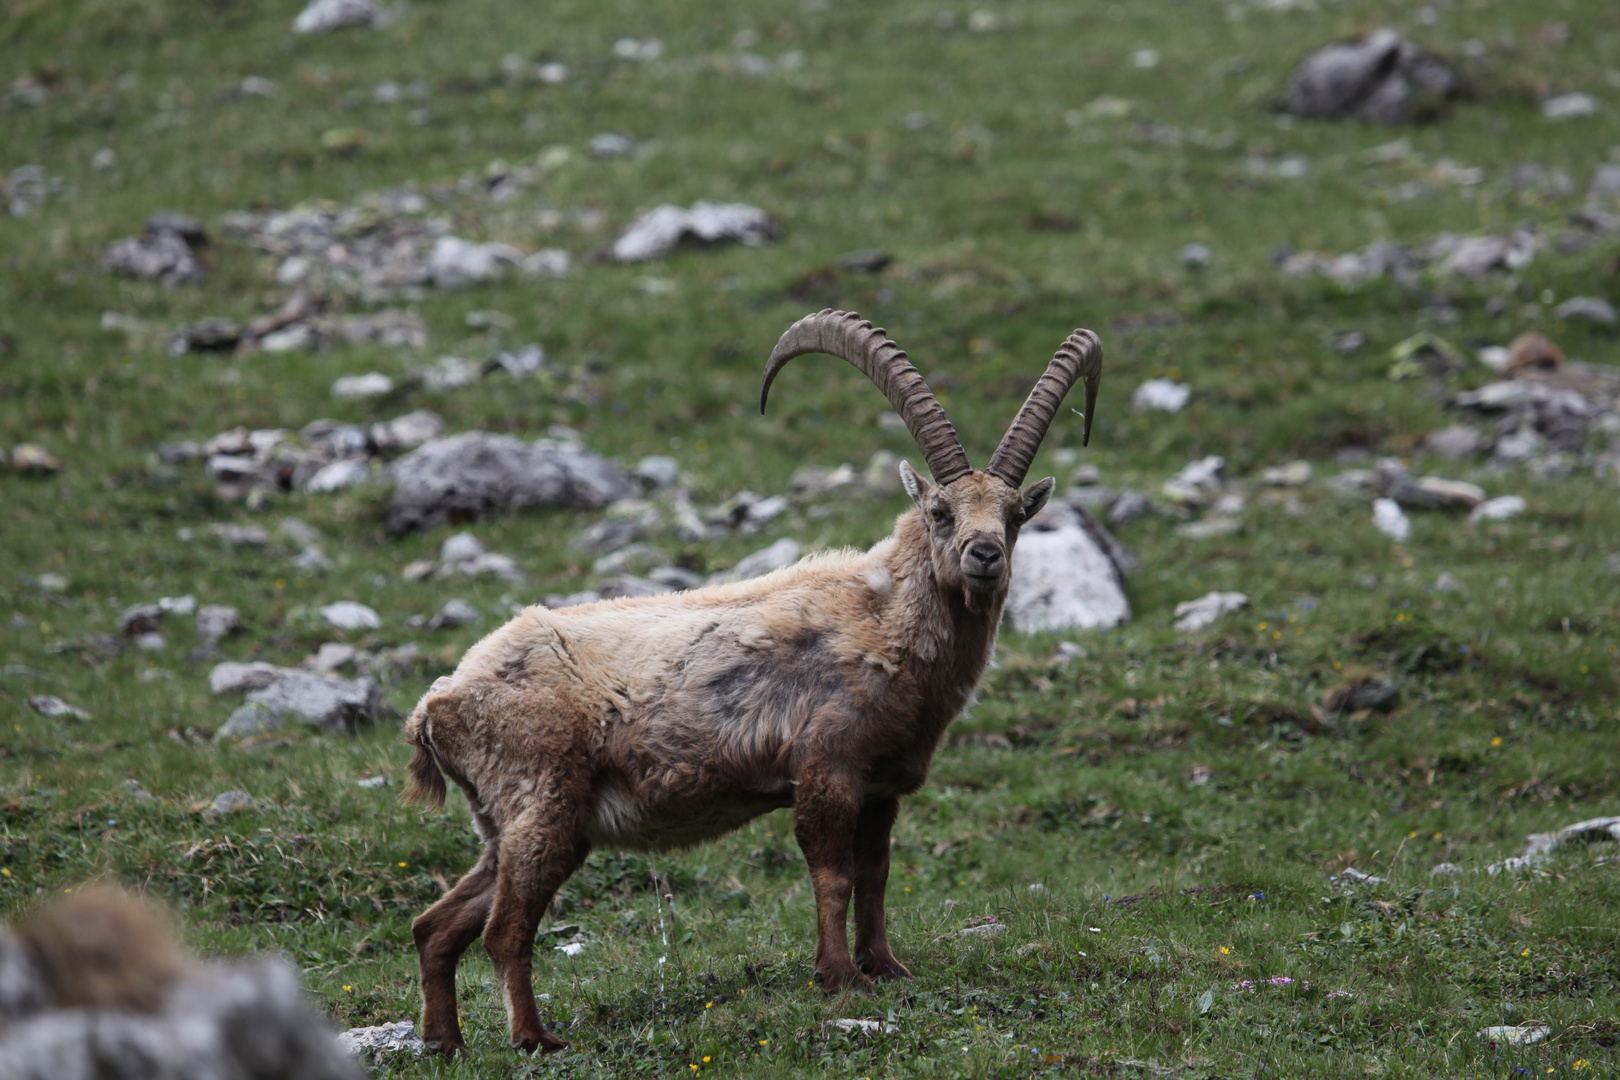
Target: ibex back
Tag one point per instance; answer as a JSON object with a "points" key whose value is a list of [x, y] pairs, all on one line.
{"points": [[659, 722]]}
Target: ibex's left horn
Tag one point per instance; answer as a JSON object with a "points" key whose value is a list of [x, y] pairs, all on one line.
{"points": [[1078, 357]]}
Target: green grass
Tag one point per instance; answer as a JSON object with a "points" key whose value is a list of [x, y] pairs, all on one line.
{"points": [[1013, 215]]}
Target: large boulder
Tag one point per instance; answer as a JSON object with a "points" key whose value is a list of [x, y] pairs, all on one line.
{"points": [[1383, 78], [1068, 574], [476, 473], [338, 705]]}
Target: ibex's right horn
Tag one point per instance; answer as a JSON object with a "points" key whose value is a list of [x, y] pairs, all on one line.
{"points": [[847, 336]]}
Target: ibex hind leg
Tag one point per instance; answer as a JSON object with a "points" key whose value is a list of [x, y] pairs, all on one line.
{"points": [[538, 852], [443, 932]]}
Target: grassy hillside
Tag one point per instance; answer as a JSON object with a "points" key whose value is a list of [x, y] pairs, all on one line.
{"points": [[1155, 822]]}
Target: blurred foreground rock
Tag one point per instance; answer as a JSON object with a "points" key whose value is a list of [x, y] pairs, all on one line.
{"points": [[94, 988], [661, 230], [163, 252]]}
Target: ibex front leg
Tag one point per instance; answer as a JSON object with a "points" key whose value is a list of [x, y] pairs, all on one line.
{"points": [[872, 950], [825, 812]]}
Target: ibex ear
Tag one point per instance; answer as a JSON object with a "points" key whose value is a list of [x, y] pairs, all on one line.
{"points": [[1035, 496], [915, 485]]}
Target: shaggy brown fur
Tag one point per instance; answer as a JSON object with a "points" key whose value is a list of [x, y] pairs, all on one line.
{"points": [[102, 948], [661, 722]]}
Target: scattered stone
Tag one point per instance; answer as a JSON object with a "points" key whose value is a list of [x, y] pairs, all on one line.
{"points": [[610, 144], [1456, 442], [1210, 527], [338, 705], [522, 363], [1127, 507], [53, 706], [1389, 519], [1161, 395], [1195, 256], [1197, 483], [208, 335], [1447, 582], [159, 254], [1348, 341], [1062, 577], [1516, 1034], [331, 656], [476, 473], [373, 384], [134, 787], [1539, 847], [1569, 106], [1294, 474], [236, 678], [862, 1027], [660, 231], [351, 615], [1068, 652], [1498, 509], [628, 585], [629, 558], [658, 471], [1351, 875], [1365, 693], [374, 782], [785, 552], [1445, 869], [246, 721], [325, 16], [446, 373], [455, 262], [384, 1038], [1199, 776], [1382, 78], [676, 577], [1587, 308], [31, 459], [256, 86], [215, 622], [141, 619], [453, 614], [547, 263], [1201, 613], [241, 535], [340, 474], [1427, 492], [230, 802]]}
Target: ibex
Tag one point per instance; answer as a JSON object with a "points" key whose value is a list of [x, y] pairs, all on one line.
{"points": [[659, 722]]}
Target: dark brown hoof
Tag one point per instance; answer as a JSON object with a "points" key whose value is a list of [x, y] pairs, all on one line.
{"points": [[885, 968], [448, 1048], [849, 980], [546, 1043]]}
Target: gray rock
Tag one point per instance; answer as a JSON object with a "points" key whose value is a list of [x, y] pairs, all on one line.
{"points": [[351, 615], [606, 535], [1427, 492], [455, 262], [660, 231], [340, 474], [658, 471], [1127, 507], [230, 802], [627, 585], [556, 601], [371, 783], [1445, 869], [1294, 474], [1540, 847], [631, 557], [1197, 483], [354, 387], [253, 718], [184, 226], [134, 787], [141, 619], [1456, 442], [1605, 186], [609, 144], [1389, 520], [1210, 527], [1381, 78], [1195, 256], [476, 473], [785, 552], [215, 622], [235, 678], [161, 256], [1161, 395], [244, 535], [1568, 106], [1365, 693], [1498, 509], [1063, 579], [339, 705], [384, 1038], [332, 655], [1586, 308], [240, 1021], [454, 613], [53, 706], [406, 432], [325, 16], [676, 577], [460, 547], [1201, 613]]}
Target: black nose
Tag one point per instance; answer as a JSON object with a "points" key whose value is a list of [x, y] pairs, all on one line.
{"points": [[988, 556]]}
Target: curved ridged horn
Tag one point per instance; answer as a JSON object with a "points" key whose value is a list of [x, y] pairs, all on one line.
{"points": [[1080, 356], [847, 336]]}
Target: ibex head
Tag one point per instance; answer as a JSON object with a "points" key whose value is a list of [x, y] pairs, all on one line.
{"points": [[972, 516]]}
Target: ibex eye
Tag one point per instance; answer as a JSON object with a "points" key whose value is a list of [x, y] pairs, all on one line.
{"points": [[937, 514]]}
